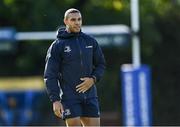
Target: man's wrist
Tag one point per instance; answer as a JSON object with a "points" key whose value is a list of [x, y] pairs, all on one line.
{"points": [[57, 102], [94, 78], [54, 99]]}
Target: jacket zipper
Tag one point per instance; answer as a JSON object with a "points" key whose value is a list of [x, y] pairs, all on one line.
{"points": [[80, 52]]}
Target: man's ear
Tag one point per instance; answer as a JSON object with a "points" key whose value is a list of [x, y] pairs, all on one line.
{"points": [[65, 21]]}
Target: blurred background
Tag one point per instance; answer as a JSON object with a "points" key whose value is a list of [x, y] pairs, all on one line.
{"points": [[23, 99]]}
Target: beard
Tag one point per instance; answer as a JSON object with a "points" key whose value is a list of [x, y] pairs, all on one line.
{"points": [[73, 29]]}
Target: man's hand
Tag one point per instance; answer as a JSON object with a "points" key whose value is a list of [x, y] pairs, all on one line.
{"points": [[85, 85], [58, 109]]}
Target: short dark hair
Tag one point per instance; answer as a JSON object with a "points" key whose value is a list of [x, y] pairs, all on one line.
{"points": [[71, 10]]}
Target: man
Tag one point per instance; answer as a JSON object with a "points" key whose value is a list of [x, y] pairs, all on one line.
{"points": [[74, 63]]}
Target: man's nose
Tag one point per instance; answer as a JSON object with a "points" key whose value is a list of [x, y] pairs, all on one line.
{"points": [[77, 22]]}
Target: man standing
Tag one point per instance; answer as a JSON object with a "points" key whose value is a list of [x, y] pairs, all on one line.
{"points": [[74, 63]]}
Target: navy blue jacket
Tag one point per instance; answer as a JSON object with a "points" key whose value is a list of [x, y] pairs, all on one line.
{"points": [[70, 57]]}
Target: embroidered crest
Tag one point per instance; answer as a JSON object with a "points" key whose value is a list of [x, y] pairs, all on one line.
{"points": [[67, 112], [67, 49]]}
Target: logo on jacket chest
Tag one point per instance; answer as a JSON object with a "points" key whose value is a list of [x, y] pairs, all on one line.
{"points": [[67, 48], [89, 46]]}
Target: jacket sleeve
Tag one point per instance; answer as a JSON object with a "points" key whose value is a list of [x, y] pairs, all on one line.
{"points": [[52, 71], [98, 62]]}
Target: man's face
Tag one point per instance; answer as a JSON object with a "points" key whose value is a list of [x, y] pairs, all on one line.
{"points": [[73, 22]]}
